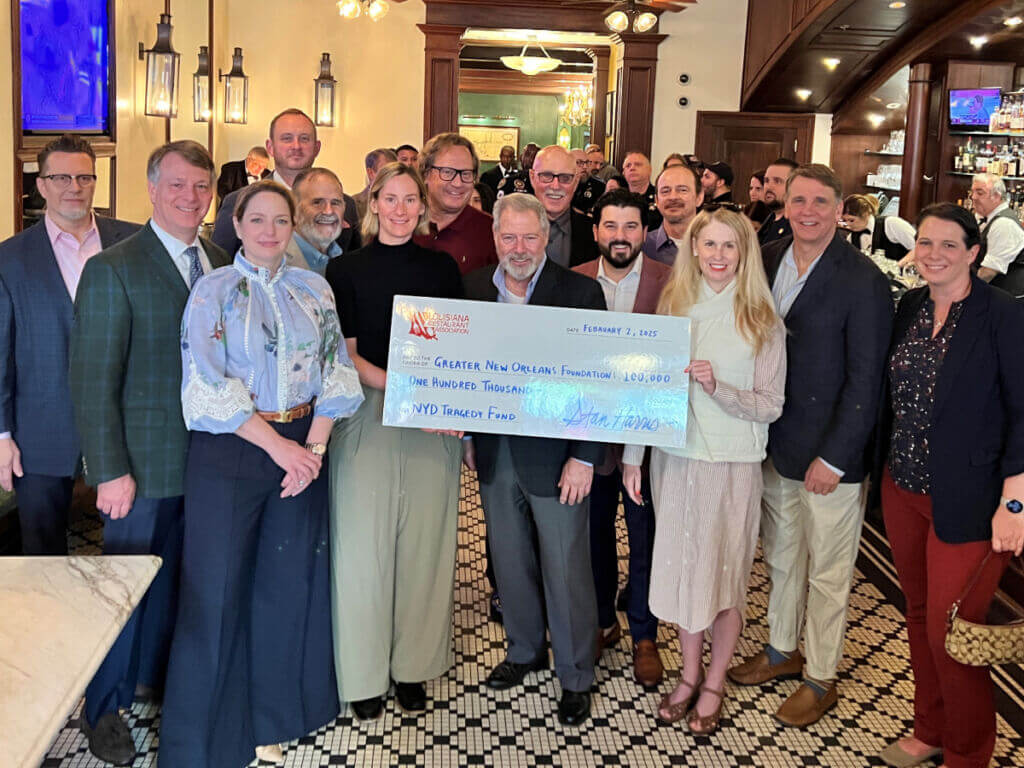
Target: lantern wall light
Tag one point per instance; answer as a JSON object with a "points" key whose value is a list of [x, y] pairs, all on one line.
{"points": [[163, 71], [323, 93], [236, 91], [201, 103]]}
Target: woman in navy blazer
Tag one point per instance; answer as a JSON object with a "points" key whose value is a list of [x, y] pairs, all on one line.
{"points": [[952, 449]]}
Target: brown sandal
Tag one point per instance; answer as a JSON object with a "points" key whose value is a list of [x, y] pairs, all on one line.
{"points": [[708, 724], [677, 711]]}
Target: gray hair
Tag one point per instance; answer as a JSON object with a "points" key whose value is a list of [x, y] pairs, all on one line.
{"points": [[311, 173], [192, 152], [378, 157], [995, 183], [522, 203]]}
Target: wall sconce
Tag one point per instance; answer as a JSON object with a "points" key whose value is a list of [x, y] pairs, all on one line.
{"points": [[163, 70], [323, 93], [201, 104], [236, 91]]}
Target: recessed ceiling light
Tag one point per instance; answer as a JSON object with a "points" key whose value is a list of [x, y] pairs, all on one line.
{"points": [[897, 4], [893, 105], [831, 63], [803, 94], [1013, 21], [875, 119], [978, 41]]}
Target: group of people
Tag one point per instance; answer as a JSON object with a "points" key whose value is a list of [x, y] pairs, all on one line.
{"points": [[225, 399]]}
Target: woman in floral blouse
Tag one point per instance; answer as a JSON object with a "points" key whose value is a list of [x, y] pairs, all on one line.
{"points": [[266, 375]]}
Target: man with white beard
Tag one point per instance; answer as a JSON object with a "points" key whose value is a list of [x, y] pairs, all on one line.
{"points": [[554, 181], [319, 215]]}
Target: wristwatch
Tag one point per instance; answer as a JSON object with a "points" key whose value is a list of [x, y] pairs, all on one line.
{"points": [[1013, 505], [317, 449]]}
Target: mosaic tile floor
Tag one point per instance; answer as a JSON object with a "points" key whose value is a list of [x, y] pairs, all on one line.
{"points": [[471, 725]]}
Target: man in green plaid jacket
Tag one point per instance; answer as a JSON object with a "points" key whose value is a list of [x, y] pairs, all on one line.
{"points": [[125, 373]]}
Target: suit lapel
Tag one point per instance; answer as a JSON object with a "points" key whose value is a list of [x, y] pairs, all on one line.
{"points": [[44, 265], [154, 250], [819, 278], [545, 289], [647, 292], [970, 325]]}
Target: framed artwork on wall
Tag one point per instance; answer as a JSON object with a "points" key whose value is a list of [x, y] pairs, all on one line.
{"points": [[489, 139]]}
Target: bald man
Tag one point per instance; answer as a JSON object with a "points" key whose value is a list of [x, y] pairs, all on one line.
{"points": [[554, 181], [588, 188]]}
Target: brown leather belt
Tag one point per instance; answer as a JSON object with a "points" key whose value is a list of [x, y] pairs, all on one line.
{"points": [[284, 417]]}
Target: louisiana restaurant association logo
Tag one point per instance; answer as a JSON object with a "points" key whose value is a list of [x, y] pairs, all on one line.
{"points": [[428, 324]]}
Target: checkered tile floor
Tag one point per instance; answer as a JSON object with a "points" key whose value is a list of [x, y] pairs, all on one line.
{"points": [[468, 725]]}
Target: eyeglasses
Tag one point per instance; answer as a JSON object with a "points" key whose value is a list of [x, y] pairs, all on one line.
{"points": [[64, 179], [734, 207], [449, 174], [563, 178]]}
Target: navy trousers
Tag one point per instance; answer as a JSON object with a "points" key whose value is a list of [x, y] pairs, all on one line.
{"points": [[139, 655], [252, 659], [604, 503], [43, 506]]}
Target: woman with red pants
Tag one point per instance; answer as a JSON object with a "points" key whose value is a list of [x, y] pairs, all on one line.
{"points": [[953, 483]]}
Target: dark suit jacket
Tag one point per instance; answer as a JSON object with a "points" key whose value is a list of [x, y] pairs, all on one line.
{"points": [[35, 325], [653, 276], [583, 248], [838, 333], [125, 366], [224, 230], [234, 176], [976, 437], [492, 178], [538, 460]]}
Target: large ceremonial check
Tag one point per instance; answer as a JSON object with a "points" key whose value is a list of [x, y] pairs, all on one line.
{"points": [[543, 371]]}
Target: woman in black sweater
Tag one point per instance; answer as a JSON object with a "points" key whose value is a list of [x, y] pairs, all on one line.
{"points": [[394, 491]]}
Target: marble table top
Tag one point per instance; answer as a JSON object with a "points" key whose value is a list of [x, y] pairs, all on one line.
{"points": [[58, 618]]}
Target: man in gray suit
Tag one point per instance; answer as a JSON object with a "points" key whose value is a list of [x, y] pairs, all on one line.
{"points": [[39, 273], [538, 486]]}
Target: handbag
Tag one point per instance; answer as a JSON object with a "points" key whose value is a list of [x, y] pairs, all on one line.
{"points": [[982, 645]]}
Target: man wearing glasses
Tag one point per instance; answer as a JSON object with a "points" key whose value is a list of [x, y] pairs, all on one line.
{"points": [[39, 272], [554, 179], [449, 167]]}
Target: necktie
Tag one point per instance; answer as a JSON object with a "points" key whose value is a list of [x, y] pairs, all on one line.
{"points": [[195, 266], [982, 221]]}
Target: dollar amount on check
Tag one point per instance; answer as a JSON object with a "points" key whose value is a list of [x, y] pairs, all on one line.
{"points": [[539, 371]]}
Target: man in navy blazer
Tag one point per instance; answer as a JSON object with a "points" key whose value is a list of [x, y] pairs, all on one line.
{"points": [[39, 272], [838, 313]]}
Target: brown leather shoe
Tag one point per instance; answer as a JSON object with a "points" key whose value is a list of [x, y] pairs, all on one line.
{"points": [[757, 669], [804, 707], [606, 639], [647, 667]]}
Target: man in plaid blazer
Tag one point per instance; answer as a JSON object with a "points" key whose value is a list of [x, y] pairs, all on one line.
{"points": [[125, 371]]}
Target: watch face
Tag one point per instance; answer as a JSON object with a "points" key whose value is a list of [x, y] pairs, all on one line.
{"points": [[1015, 506]]}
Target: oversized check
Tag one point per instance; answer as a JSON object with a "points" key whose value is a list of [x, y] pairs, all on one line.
{"points": [[542, 371]]}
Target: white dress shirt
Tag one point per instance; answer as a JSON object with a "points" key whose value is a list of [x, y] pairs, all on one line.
{"points": [[177, 249], [1004, 241], [620, 296], [897, 230]]}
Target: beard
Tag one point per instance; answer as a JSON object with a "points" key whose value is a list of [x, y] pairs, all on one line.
{"points": [[774, 205], [515, 271], [616, 261], [315, 233]]}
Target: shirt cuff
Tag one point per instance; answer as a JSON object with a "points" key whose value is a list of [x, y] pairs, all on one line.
{"points": [[633, 455], [581, 461], [834, 469], [5, 435]]}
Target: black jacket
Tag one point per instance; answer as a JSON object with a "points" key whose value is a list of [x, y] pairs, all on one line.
{"points": [[538, 460], [838, 332], [234, 176], [493, 177], [976, 437], [583, 248]]}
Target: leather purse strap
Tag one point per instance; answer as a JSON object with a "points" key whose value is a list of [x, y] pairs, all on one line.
{"points": [[955, 608]]}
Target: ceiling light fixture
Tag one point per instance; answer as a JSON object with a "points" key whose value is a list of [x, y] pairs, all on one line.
{"points": [[978, 41], [1013, 21], [831, 63], [803, 94], [532, 65], [627, 13], [353, 9], [617, 21], [897, 5], [644, 22], [893, 105], [875, 119]]}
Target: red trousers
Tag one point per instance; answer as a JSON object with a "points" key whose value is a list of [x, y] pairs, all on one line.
{"points": [[953, 703]]}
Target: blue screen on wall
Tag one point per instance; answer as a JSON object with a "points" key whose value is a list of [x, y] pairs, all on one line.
{"points": [[64, 65]]}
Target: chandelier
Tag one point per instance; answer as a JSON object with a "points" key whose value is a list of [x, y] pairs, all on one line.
{"points": [[579, 105], [531, 65], [353, 9]]}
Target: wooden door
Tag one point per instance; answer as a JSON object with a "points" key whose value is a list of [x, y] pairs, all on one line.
{"points": [[749, 141]]}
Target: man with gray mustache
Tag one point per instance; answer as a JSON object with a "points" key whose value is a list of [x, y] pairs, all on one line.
{"points": [[319, 217], [554, 181]]}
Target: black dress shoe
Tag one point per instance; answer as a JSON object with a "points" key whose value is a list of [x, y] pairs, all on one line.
{"points": [[509, 674], [622, 603], [368, 709], [110, 740], [412, 697], [495, 608], [574, 708]]}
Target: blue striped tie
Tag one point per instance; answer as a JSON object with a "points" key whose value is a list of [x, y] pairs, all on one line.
{"points": [[195, 266]]}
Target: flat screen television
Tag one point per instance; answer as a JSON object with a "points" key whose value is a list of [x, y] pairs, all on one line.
{"points": [[972, 107], [65, 57]]}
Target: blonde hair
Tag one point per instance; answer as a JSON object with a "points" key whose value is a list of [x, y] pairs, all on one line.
{"points": [[753, 306], [370, 226], [860, 206]]}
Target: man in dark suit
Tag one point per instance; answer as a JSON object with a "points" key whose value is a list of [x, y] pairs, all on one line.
{"points": [[39, 273], [776, 226], [125, 373], [294, 147], [241, 173], [631, 282], [838, 313], [506, 165], [534, 486], [554, 180]]}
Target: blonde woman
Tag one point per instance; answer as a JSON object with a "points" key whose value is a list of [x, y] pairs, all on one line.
{"points": [[394, 492], [707, 494]]}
